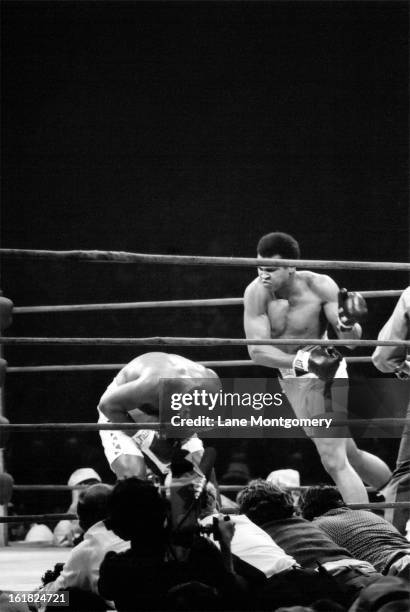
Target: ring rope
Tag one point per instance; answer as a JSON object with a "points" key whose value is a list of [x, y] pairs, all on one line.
{"points": [[197, 260], [26, 518], [87, 367], [49, 487], [130, 305], [133, 426], [166, 303], [300, 489], [37, 518], [184, 341], [221, 488]]}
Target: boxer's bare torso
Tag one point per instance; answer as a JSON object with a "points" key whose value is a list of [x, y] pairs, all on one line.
{"points": [[135, 393], [134, 396], [300, 308], [162, 365]]}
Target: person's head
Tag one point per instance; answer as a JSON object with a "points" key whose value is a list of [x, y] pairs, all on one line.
{"points": [[286, 478], [263, 502], [137, 511], [82, 476], [237, 474], [92, 505], [276, 245], [319, 499]]}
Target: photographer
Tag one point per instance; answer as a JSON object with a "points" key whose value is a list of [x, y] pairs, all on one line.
{"points": [[81, 570], [141, 577], [256, 555]]}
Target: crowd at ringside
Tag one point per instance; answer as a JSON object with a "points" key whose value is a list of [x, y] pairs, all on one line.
{"points": [[268, 554]]}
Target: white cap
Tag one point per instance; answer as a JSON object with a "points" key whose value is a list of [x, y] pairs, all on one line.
{"points": [[284, 478], [81, 475], [39, 533]]}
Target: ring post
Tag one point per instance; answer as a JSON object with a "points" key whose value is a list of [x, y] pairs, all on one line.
{"points": [[3, 508]]}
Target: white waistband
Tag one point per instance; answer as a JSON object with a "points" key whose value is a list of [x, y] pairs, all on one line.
{"points": [[341, 372]]}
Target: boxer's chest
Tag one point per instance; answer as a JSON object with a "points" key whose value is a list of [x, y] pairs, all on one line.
{"points": [[296, 317]]}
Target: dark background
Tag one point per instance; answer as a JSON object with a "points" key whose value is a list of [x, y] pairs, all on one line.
{"points": [[189, 128]]}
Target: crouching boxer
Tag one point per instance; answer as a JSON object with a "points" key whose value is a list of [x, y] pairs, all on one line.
{"points": [[134, 396]]}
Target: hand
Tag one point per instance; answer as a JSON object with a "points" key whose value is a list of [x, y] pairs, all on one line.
{"points": [[399, 567], [352, 309], [319, 360], [225, 529]]}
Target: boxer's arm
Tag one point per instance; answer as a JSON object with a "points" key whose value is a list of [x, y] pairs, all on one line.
{"points": [[257, 325], [118, 401], [329, 294], [390, 358]]}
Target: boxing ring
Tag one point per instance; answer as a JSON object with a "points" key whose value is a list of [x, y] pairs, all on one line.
{"points": [[45, 558]]}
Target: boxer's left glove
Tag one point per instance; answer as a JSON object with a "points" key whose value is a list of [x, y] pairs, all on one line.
{"points": [[352, 309], [323, 361]]}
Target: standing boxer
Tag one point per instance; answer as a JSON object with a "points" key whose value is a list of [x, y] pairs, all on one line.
{"points": [[283, 302]]}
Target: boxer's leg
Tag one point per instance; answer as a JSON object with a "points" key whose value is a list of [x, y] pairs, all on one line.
{"points": [[371, 469], [123, 455], [311, 397]]}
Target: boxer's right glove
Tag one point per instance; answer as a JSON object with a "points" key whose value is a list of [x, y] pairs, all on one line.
{"points": [[323, 361]]}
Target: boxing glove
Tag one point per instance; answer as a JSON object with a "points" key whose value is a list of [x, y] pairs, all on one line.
{"points": [[319, 360], [352, 309]]}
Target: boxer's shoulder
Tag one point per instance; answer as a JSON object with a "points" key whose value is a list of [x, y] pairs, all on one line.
{"points": [[320, 284]]}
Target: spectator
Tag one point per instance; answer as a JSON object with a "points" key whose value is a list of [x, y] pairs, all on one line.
{"points": [[141, 577], [286, 478], [39, 534], [365, 535], [250, 543], [81, 571], [272, 509], [67, 533], [274, 575], [396, 359]]}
